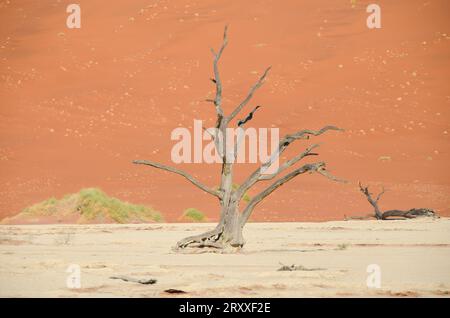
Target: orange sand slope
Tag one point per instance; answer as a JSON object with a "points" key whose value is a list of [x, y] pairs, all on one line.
{"points": [[77, 106]]}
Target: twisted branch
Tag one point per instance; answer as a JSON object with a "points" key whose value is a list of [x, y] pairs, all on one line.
{"points": [[311, 167], [258, 174]]}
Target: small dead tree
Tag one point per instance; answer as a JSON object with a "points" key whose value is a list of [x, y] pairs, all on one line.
{"points": [[228, 232], [407, 214]]}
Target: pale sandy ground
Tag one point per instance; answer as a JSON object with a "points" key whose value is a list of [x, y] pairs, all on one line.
{"points": [[414, 257]]}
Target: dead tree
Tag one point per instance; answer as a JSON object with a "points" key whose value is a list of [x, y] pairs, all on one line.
{"points": [[407, 214], [228, 232]]}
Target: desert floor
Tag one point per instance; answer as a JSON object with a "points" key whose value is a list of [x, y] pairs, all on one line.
{"points": [[413, 255]]}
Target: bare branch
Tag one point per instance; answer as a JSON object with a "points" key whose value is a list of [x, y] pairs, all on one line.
{"points": [[380, 194], [216, 138], [209, 133], [305, 134], [328, 175], [259, 197], [248, 117], [374, 203], [249, 95], [288, 139], [284, 143], [291, 162], [216, 80], [182, 173], [241, 133], [218, 98]]}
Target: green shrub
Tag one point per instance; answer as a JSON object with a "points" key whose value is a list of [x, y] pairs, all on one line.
{"points": [[194, 215]]}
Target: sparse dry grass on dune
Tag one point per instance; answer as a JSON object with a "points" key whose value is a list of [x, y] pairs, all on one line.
{"points": [[89, 205], [331, 258]]}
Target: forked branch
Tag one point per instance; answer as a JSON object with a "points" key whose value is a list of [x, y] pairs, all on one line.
{"points": [[311, 167], [373, 202], [258, 84], [288, 139], [218, 99], [248, 117], [291, 162], [259, 173]]}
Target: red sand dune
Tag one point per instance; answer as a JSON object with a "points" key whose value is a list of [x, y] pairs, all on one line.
{"points": [[77, 106]]}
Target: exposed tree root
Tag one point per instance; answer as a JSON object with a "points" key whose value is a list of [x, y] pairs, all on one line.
{"points": [[208, 239], [212, 241]]}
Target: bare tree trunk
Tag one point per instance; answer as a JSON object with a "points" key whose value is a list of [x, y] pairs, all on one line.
{"points": [[374, 203], [226, 235]]}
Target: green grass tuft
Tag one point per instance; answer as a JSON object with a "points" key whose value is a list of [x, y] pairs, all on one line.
{"points": [[194, 215]]}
